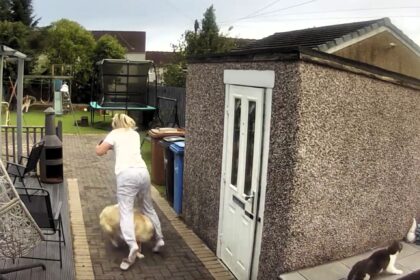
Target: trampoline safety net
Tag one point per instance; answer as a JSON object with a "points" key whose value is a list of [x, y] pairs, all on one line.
{"points": [[122, 83]]}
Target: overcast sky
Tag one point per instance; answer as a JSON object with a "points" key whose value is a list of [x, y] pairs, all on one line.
{"points": [[164, 21]]}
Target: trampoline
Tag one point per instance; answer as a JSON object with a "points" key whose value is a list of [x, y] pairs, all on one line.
{"points": [[121, 85], [118, 107]]}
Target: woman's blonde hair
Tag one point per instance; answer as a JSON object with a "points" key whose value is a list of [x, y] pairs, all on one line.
{"points": [[123, 121]]}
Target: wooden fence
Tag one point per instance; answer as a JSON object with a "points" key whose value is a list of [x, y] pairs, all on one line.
{"points": [[166, 107]]}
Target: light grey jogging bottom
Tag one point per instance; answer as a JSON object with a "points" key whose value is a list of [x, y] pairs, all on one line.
{"points": [[133, 182]]}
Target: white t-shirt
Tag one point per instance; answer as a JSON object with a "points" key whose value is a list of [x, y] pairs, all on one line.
{"points": [[126, 145]]}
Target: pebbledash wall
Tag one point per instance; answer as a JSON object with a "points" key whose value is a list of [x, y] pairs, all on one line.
{"points": [[343, 168]]}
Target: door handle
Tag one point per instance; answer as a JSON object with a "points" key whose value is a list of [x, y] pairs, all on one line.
{"points": [[247, 197]]}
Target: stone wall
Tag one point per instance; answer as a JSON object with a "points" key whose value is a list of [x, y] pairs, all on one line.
{"points": [[357, 175], [344, 162], [204, 151]]}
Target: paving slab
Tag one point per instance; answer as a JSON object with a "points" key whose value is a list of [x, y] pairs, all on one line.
{"points": [[293, 276], [411, 262], [96, 180], [407, 261], [349, 262], [408, 250], [387, 276], [330, 271]]}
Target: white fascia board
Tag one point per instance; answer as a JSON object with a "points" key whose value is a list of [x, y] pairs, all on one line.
{"points": [[252, 78], [368, 35]]}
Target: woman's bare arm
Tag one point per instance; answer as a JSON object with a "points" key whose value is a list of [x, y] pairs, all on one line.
{"points": [[102, 148]]}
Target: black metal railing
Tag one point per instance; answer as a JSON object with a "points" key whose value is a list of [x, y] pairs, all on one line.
{"points": [[30, 136]]}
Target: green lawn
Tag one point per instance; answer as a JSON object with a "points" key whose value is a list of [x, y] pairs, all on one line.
{"points": [[37, 118]]}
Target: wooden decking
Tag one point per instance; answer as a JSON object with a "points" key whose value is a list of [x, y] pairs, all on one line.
{"points": [[48, 249]]}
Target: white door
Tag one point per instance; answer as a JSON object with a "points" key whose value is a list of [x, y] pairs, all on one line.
{"points": [[241, 177]]}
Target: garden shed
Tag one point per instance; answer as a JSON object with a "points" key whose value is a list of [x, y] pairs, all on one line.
{"points": [[295, 157]]}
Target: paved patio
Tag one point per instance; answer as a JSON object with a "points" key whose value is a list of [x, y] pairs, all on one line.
{"points": [[408, 261], [96, 184]]}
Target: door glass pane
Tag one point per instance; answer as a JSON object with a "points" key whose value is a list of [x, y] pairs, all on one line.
{"points": [[250, 147], [235, 146]]}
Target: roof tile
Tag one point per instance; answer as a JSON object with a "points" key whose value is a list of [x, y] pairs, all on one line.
{"points": [[322, 38], [133, 41]]}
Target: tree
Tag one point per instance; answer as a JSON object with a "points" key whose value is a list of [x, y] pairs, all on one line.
{"points": [[14, 35], [208, 39], [205, 40], [24, 39], [108, 46], [5, 10], [70, 43], [22, 10], [175, 75], [17, 29]]}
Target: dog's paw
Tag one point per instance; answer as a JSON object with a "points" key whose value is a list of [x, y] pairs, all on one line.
{"points": [[395, 271], [140, 255], [398, 272]]}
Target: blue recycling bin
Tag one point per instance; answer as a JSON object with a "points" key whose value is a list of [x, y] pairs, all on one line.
{"points": [[178, 150], [168, 164]]}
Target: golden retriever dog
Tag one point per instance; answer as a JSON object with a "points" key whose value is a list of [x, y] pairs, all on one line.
{"points": [[109, 220]]}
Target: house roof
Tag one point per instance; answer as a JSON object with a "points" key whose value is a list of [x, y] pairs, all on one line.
{"points": [[328, 37], [242, 42], [296, 53], [312, 45], [133, 41], [160, 58]]}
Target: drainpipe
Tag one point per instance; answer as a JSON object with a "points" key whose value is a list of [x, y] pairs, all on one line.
{"points": [[19, 97], [1, 100]]}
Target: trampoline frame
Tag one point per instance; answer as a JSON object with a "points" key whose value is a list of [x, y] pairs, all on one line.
{"points": [[126, 105]]}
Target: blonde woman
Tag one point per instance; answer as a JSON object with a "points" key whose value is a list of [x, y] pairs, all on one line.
{"points": [[132, 180]]}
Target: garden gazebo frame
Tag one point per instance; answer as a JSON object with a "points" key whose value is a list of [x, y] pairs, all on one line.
{"points": [[7, 53]]}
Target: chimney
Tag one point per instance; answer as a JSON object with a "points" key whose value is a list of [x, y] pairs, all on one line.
{"points": [[51, 162]]}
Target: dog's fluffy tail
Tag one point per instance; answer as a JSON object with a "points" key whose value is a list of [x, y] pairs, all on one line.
{"points": [[109, 220], [144, 228], [105, 225]]}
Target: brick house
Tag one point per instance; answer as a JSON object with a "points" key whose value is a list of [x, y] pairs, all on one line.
{"points": [[133, 41]]}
